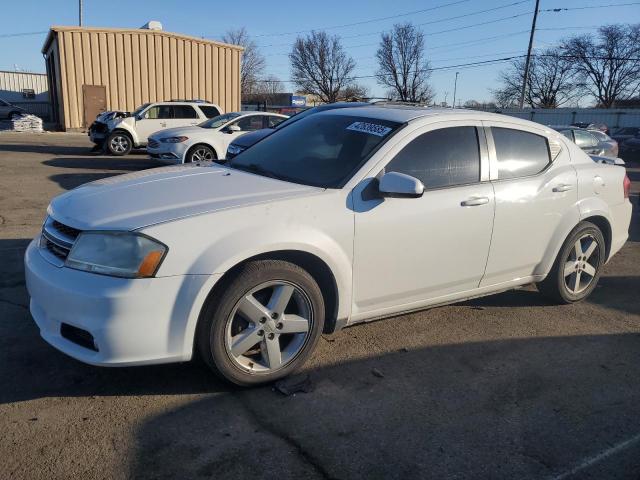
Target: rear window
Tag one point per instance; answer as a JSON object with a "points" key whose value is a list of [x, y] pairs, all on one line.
{"points": [[184, 111], [519, 153], [209, 111]]}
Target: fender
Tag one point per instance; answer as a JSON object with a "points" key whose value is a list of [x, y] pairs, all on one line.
{"points": [[124, 125]]}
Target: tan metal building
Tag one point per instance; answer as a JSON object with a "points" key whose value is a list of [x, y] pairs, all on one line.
{"points": [[95, 69]]}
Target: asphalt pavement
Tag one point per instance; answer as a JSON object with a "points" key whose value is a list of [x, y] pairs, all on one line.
{"points": [[503, 387]]}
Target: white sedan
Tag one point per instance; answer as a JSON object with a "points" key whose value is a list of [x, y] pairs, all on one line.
{"points": [[208, 140], [342, 217]]}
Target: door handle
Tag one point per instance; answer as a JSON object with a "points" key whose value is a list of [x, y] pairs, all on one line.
{"points": [[475, 201], [163, 124], [563, 187]]}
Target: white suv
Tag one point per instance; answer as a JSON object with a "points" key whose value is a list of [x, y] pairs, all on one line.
{"points": [[120, 134]]}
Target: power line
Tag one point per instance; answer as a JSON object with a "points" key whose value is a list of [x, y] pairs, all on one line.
{"points": [[22, 34], [379, 19], [589, 7]]}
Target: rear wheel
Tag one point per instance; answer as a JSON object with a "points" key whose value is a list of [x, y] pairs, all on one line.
{"points": [[201, 153], [577, 268], [119, 143], [264, 324]]}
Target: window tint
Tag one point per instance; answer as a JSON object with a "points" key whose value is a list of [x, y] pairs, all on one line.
{"points": [[159, 112], [585, 139], [184, 111], [323, 150], [274, 121], [441, 158], [209, 111], [519, 153], [250, 123]]}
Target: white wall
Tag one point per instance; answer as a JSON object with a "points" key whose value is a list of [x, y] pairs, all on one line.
{"points": [[12, 84]]}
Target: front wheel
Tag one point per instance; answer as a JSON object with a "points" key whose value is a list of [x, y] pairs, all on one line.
{"points": [[201, 153], [577, 268], [264, 324], [119, 143]]}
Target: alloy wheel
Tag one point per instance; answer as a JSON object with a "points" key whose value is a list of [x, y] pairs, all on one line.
{"points": [[268, 327], [119, 143], [582, 264], [201, 154]]}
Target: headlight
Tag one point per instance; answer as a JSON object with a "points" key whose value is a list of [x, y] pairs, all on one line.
{"points": [[174, 139], [234, 149], [119, 254]]}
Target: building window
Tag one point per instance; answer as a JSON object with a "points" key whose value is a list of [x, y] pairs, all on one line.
{"points": [[28, 93]]}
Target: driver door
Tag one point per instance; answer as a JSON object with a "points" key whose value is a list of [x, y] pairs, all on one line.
{"points": [[410, 252], [153, 119], [249, 123]]}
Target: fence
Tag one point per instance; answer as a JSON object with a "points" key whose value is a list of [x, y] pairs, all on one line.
{"points": [[613, 118], [40, 109]]}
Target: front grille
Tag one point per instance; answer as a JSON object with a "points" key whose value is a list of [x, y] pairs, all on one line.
{"points": [[58, 238], [78, 336], [153, 143]]}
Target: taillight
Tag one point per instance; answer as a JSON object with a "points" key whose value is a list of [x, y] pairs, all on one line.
{"points": [[626, 186]]}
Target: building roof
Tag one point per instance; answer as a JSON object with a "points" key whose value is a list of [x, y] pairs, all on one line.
{"points": [[139, 31]]}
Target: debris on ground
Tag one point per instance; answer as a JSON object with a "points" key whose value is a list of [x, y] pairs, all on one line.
{"points": [[25, 122], [377, 373], [292, 385]]}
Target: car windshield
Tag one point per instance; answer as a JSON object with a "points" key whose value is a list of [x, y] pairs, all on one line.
{"points": [[139, 110], [319, 150], [218, 121], [298, 116]]}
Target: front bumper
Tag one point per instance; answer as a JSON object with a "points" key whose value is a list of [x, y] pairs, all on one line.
{"points": [[98, 132], [130, 321], [170, 153]]}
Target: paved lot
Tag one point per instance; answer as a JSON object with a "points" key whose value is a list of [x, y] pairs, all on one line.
{"points": [[503, 387]]}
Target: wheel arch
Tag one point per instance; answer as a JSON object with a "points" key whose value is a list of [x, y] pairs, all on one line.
{"points": [[317, 268], [196, 144], [604, 225]]}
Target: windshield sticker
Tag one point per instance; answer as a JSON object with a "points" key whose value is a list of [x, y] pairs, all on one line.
{"points": [[370, 128]]}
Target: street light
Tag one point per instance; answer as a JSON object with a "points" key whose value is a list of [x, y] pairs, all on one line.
{"points": [[455, 87]]}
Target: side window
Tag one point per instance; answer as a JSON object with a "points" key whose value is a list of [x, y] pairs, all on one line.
{"points": [[274, 121], [585, 139], [567, 133], [519, 153], [184, 111], [159, 112], [250, 123], [209, 111], [441, 158]]}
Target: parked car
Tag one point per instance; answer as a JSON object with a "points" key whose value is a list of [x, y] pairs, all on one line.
{"points": [[243, 142], [592, 126], [631, 145], [586, 140], [119, 132], [607, 145], [625, 133], [344, 216], [208, 140], [7, 110]]}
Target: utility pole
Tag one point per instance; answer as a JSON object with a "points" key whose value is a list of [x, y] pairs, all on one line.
{"points": [[525, 78], [455, 87], [80, 12]]}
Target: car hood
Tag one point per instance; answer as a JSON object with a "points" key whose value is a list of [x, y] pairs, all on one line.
{"points": [[178, 131], [140, 199], [248, 139]]}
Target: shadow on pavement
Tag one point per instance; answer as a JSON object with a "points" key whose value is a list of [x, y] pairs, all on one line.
{"points": [[521, 408]]}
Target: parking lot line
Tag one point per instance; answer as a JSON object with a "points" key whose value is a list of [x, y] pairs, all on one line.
{"points": [[599, 457]]}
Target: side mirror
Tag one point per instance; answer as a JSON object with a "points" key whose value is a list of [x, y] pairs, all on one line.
{"points": [[399, 185], [232, 129]]}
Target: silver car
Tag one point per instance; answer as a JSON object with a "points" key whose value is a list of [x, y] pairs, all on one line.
{"points": [[608, 145], [586, 140]]}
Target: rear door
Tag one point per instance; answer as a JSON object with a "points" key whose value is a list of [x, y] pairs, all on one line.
{"points": [[536, 192], [184, 116]]}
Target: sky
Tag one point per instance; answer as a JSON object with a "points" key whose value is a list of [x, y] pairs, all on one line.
{"points": [[274, 25]]}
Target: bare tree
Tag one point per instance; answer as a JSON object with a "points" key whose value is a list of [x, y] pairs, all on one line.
{"points": [[267, 90], [253, 62], [402, 65], [320, 66], [551, 82], [608, 65]]}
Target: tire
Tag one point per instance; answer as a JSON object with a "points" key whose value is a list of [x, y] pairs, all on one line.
{"points": [[119, 143], [585, 265], [200, 153], [246, 315]]}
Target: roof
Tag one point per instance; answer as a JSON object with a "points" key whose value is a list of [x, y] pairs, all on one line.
{"points": [[13, 72], [407, 113], [139, 31]]}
